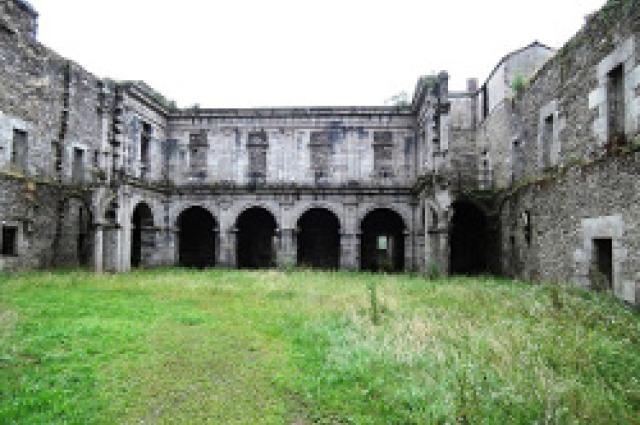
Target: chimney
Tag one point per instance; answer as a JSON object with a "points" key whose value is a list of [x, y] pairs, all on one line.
{"points": [[472, 85]]}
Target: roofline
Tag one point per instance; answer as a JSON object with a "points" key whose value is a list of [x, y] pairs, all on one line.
{"points": [[140, 94], [301, 111], [508, 56]]}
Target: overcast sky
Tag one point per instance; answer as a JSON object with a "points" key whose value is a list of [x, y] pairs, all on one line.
{"points": [[247, 53]]}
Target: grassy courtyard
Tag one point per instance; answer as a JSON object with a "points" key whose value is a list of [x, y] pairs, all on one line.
{"points": [[233, 347]]}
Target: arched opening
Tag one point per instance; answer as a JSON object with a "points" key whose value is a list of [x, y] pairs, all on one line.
{"points": [[382, 243], [141, 237], [468, 240], [196, 238], [256, 239], [318, 239]]}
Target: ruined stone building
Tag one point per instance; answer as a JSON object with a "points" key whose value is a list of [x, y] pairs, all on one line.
{"points": [[532, 174]]}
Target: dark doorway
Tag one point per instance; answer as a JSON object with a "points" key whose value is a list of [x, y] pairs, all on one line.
{"points": [[256, 239], [196, 238], [83, 244], [141, 223], [603, 256], [319, 239], [382, 243], [468, 240]]}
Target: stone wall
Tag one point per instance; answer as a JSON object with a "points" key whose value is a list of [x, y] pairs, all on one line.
{"points": [[53, 224], [548, 227], [574, 83], [494, 138], [289, 138]]}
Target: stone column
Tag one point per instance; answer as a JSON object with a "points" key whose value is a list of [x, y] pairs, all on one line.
{"points": [[216, 246], [228, 248], [286, 248], [357, 251], [111, 248], [149, 246], [419, 252], [408, 251], [98, 242], [348, 249], [444, 252], [172, 241]]}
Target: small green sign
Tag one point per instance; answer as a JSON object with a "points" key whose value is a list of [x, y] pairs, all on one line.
{"points": [[382, 243]]}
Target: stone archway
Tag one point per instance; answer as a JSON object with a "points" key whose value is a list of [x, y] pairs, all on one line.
{"points": [[196, 238], [256, 239], [382, 241], [318, 237], [468, 240], [142, 234]]}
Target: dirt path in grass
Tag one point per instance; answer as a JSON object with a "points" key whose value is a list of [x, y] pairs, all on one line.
{"points": [[209, 363]]}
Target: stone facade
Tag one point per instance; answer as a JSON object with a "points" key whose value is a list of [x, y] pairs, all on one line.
{"points": [[530, 174], [557, 173], [112, 168]]}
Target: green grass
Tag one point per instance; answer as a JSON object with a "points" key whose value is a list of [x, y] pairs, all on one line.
{"points": [[233, 347]]}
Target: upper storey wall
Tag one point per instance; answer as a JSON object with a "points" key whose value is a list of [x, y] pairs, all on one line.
{"points": [[586, 99], [329, 146], [60, 122], [49, 120], [523, 64]]}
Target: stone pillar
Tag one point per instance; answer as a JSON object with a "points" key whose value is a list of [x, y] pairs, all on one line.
{"points": [[172, 241], [357, 251], [111, 248], [98, 242], [228, 248], [444, 252], [216, 246], [348, 252], [419, 252], [286, 248], [408, 251], [148, 246]]}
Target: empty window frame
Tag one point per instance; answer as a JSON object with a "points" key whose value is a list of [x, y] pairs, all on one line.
{"points": [[9, 241], [320, 151], [616, 105], [257, 145], [77, 170], [383, 154], [145, 141], [56, 158], [517, 160], [19, 150], [198, 148], [527, 227], [547, 141]]}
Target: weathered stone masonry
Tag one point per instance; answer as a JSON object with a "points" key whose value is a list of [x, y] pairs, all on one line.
{"points": [[537, 181], [557, 162], [142, 172]]}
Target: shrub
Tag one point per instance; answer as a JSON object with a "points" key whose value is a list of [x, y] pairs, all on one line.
{"points": [[519, 84]]}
